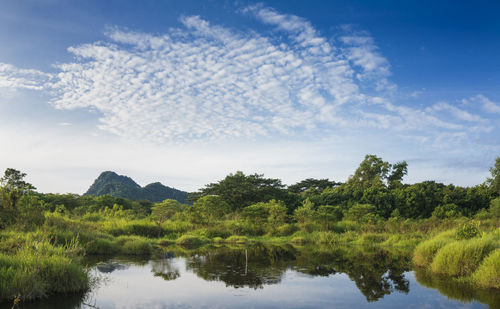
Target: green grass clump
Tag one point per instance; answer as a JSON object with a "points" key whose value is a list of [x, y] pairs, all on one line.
{"points": [[218, 240], [488, 273], [134, 245], [237, 240], [461, 258], [187, 240], [425, 251], [329, 238], [38, 269], [101, 246], [299, 240]]}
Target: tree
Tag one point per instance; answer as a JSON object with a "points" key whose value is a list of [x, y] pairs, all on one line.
{"points": [[163, 211], [12, 188], [305, 213], [373, 171], [399, 170], [212, 207], [327, 214], [494, 181], [317, 185], [239, 190], [277, 214]]}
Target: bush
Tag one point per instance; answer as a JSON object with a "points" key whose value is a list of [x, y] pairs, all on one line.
{"points": [[286, 229], [488, 273], [467, 231], [461, 258]]}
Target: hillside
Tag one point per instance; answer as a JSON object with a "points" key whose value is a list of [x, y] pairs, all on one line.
{"points": [[122, 186]]}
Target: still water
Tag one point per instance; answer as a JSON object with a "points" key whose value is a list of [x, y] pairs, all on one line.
{"points": [[262, 276]]}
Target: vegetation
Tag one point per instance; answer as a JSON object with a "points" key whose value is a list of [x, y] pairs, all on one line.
{"points": [[452, 231]]}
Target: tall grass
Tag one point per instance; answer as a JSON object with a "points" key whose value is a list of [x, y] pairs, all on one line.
{"points": [[488, 273], [39, 269], [461, 258]]}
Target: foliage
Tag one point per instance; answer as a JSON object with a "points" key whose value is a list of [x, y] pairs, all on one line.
{"points": [[239, 190], [446, 211], [468, 230], [461, 258], [488, 273], [165, 210], [212, 207]]}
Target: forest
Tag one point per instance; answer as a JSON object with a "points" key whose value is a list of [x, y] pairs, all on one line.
{"points": [[449, 230]]}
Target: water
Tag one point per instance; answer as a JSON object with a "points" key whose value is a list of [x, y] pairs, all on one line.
{"points": [[270, 277]]}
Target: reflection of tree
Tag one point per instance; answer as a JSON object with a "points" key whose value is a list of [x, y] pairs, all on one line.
{"points": [[456, 289], [252, 267], [164, 268], [376, 272]]}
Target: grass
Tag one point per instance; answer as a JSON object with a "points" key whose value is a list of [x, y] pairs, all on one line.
{"points": [[488, 273], [39, 269], [191, 240], [461, 258]]}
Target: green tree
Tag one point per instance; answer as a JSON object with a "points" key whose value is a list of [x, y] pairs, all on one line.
{"points": [[12, 188], [239, 190], [446, 211], [257, 213], [495, 207], [326, 215], [305, 213], [494, 181], [316, 185], [277, 214], [361, 213], [165, 210], [212, 207]]}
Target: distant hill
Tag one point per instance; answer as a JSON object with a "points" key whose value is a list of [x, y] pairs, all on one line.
{"points": [[113, 184]]}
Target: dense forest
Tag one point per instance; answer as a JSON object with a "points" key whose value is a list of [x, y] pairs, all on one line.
{"points": [[43, 237]]}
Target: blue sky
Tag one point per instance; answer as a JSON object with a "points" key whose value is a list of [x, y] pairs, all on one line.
{"points": [[185, 92]]}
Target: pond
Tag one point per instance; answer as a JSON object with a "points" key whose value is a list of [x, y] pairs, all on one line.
{"points": [[261, 276]]}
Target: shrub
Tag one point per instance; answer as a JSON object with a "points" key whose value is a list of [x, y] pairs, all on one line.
{"points": [[286, 229], [467, 231], [461, 258], [488, 273]]}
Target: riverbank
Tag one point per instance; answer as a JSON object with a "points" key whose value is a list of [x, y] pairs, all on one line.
{"points": [[47, 260]]}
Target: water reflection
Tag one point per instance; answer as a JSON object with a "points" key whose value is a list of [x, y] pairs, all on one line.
{"points": [[376, 272], [267, 276], [458, 290]]}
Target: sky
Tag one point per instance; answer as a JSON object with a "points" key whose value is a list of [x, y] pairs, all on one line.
{"points": [[186, 92]]}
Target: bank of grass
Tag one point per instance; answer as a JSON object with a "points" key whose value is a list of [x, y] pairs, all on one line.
{"points": [[475, 260], [38, 263], [38, 269]]}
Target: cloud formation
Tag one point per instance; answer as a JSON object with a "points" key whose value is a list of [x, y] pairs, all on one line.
{"points": [[207, 82]]}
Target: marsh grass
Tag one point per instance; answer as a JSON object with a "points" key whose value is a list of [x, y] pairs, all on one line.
{"points": [[39, 269], [461, 258], [488, 273]]}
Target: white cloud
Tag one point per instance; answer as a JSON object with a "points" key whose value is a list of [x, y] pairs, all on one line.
{"points": [[205, 82], [13, 78], [486, 103]]}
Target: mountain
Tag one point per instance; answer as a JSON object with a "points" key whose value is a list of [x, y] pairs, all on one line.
{"points": [[122, 186]]}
